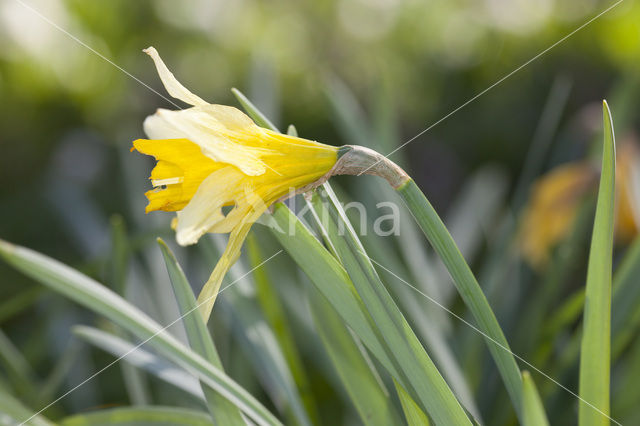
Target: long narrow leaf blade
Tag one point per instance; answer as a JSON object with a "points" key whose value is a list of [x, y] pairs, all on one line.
{"points": [[412, 412], [150, 416], [221, 410], [370, 400], [13, 412], [276, 317], [140, 358], [243, 316], [422, 380], [595, 351], [532, 410], [467, 286], [92, 295], [253, 111], [330, 278]]}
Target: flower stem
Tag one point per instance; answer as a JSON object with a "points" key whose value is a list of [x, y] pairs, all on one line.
{"points": [[467, 285]]}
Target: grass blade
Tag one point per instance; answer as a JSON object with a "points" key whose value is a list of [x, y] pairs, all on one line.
{"points": [[275, 316], [366, 392], [412, 412], [13, 412], [89, 293], [151, 416], [421, 378], [596, 338], [467, 286], [331, 280], [244, 318], [532, 410], [221, 410], [140, 358], [260, 119]]}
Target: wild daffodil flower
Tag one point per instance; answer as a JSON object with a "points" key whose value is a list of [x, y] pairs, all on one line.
{"points": [[556, 196], [220, 171]]}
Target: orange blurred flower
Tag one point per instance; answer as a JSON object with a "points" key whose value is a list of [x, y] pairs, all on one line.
{"points": [[555, 197]]}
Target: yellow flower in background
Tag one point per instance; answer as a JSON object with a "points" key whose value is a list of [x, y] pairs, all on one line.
{"points": [[214, 156], [627, 192], [555, 198]]}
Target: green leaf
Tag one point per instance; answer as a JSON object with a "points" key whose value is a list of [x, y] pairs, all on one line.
{"points": [[420, 377], [245, 319], [221, 410], [140, 358], [151, 416], [331, 280], [371, 400], [260, 119], [425, 318], [275, 315], [412, 412], [12, 411], [467, 287], [532, 410], [98, 298], [596, 337]]}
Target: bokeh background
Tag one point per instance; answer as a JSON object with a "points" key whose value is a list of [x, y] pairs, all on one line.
{"points": [[68, 116]]}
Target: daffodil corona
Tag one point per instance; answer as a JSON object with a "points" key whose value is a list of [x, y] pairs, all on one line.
{"points": [[211, 157]]}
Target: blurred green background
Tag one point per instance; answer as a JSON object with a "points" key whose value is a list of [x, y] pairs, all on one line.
{"points": [[67, 116]]}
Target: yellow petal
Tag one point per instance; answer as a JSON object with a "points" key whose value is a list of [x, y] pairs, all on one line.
{"points": [[204, 210], [211, 288], [238, 146], [172, 85], [627, 186], [180, 170], [552, 209]]}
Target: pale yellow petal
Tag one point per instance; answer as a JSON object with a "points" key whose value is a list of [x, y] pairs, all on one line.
{"points": [[217, 141], [155, 127], [209, 292], [173, 86], [230, 118], [205, 208]]}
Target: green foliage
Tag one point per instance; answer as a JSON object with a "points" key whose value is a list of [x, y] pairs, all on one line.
{"points": [[315, 326], [222, 411], [595, 354], [467, 286], [94, 296], [152, 416], [532, 408]]}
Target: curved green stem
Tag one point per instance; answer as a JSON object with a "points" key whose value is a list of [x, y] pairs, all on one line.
{"points": [[467, 285]]}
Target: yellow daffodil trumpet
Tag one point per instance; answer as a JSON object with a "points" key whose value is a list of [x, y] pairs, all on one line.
{"points": [[211, 157]]}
